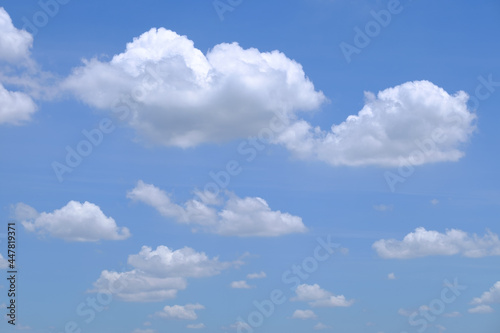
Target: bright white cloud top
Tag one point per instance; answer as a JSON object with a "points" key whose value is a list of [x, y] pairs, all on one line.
{"points": [[159, 274], [177, 96], [180, 97], [318, 297], [75, 222], [15, 107], [244, 217], [15, 44], [415, 120], [422, 243]]}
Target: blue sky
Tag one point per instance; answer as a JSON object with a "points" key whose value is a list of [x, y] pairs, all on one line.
{"points": [[251, 166]]}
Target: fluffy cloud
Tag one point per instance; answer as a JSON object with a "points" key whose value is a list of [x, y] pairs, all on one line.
{"points": [[260, 275], [488, 297], [15, 107], [158, 274], [173, 94], [242, 217], [184, 262], [177, 96], [304, 314], [186, 312], [76, 222], [318, 297], [240, 285], [414, 117], [391, 276], [422, 243], [3, 262], [15, 44]]}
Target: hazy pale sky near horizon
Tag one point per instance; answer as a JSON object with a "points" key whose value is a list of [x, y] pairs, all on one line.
{"points": [[250, 166]]}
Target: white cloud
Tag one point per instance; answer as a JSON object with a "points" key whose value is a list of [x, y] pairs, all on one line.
{"points": [[184, 262], [321, 326], [177, 96], [411, 117], [260, 275], [144, 330], [318, 297], [434, 201], [181, 97], [3, 262], [391, 276], [244, 217], [78, 222], [240, 285], [481, 309], [15, 107], [490, 296], [186, 312], [196, 326], [15, 44], [158, 274], [304, 314], [421, 243]]}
